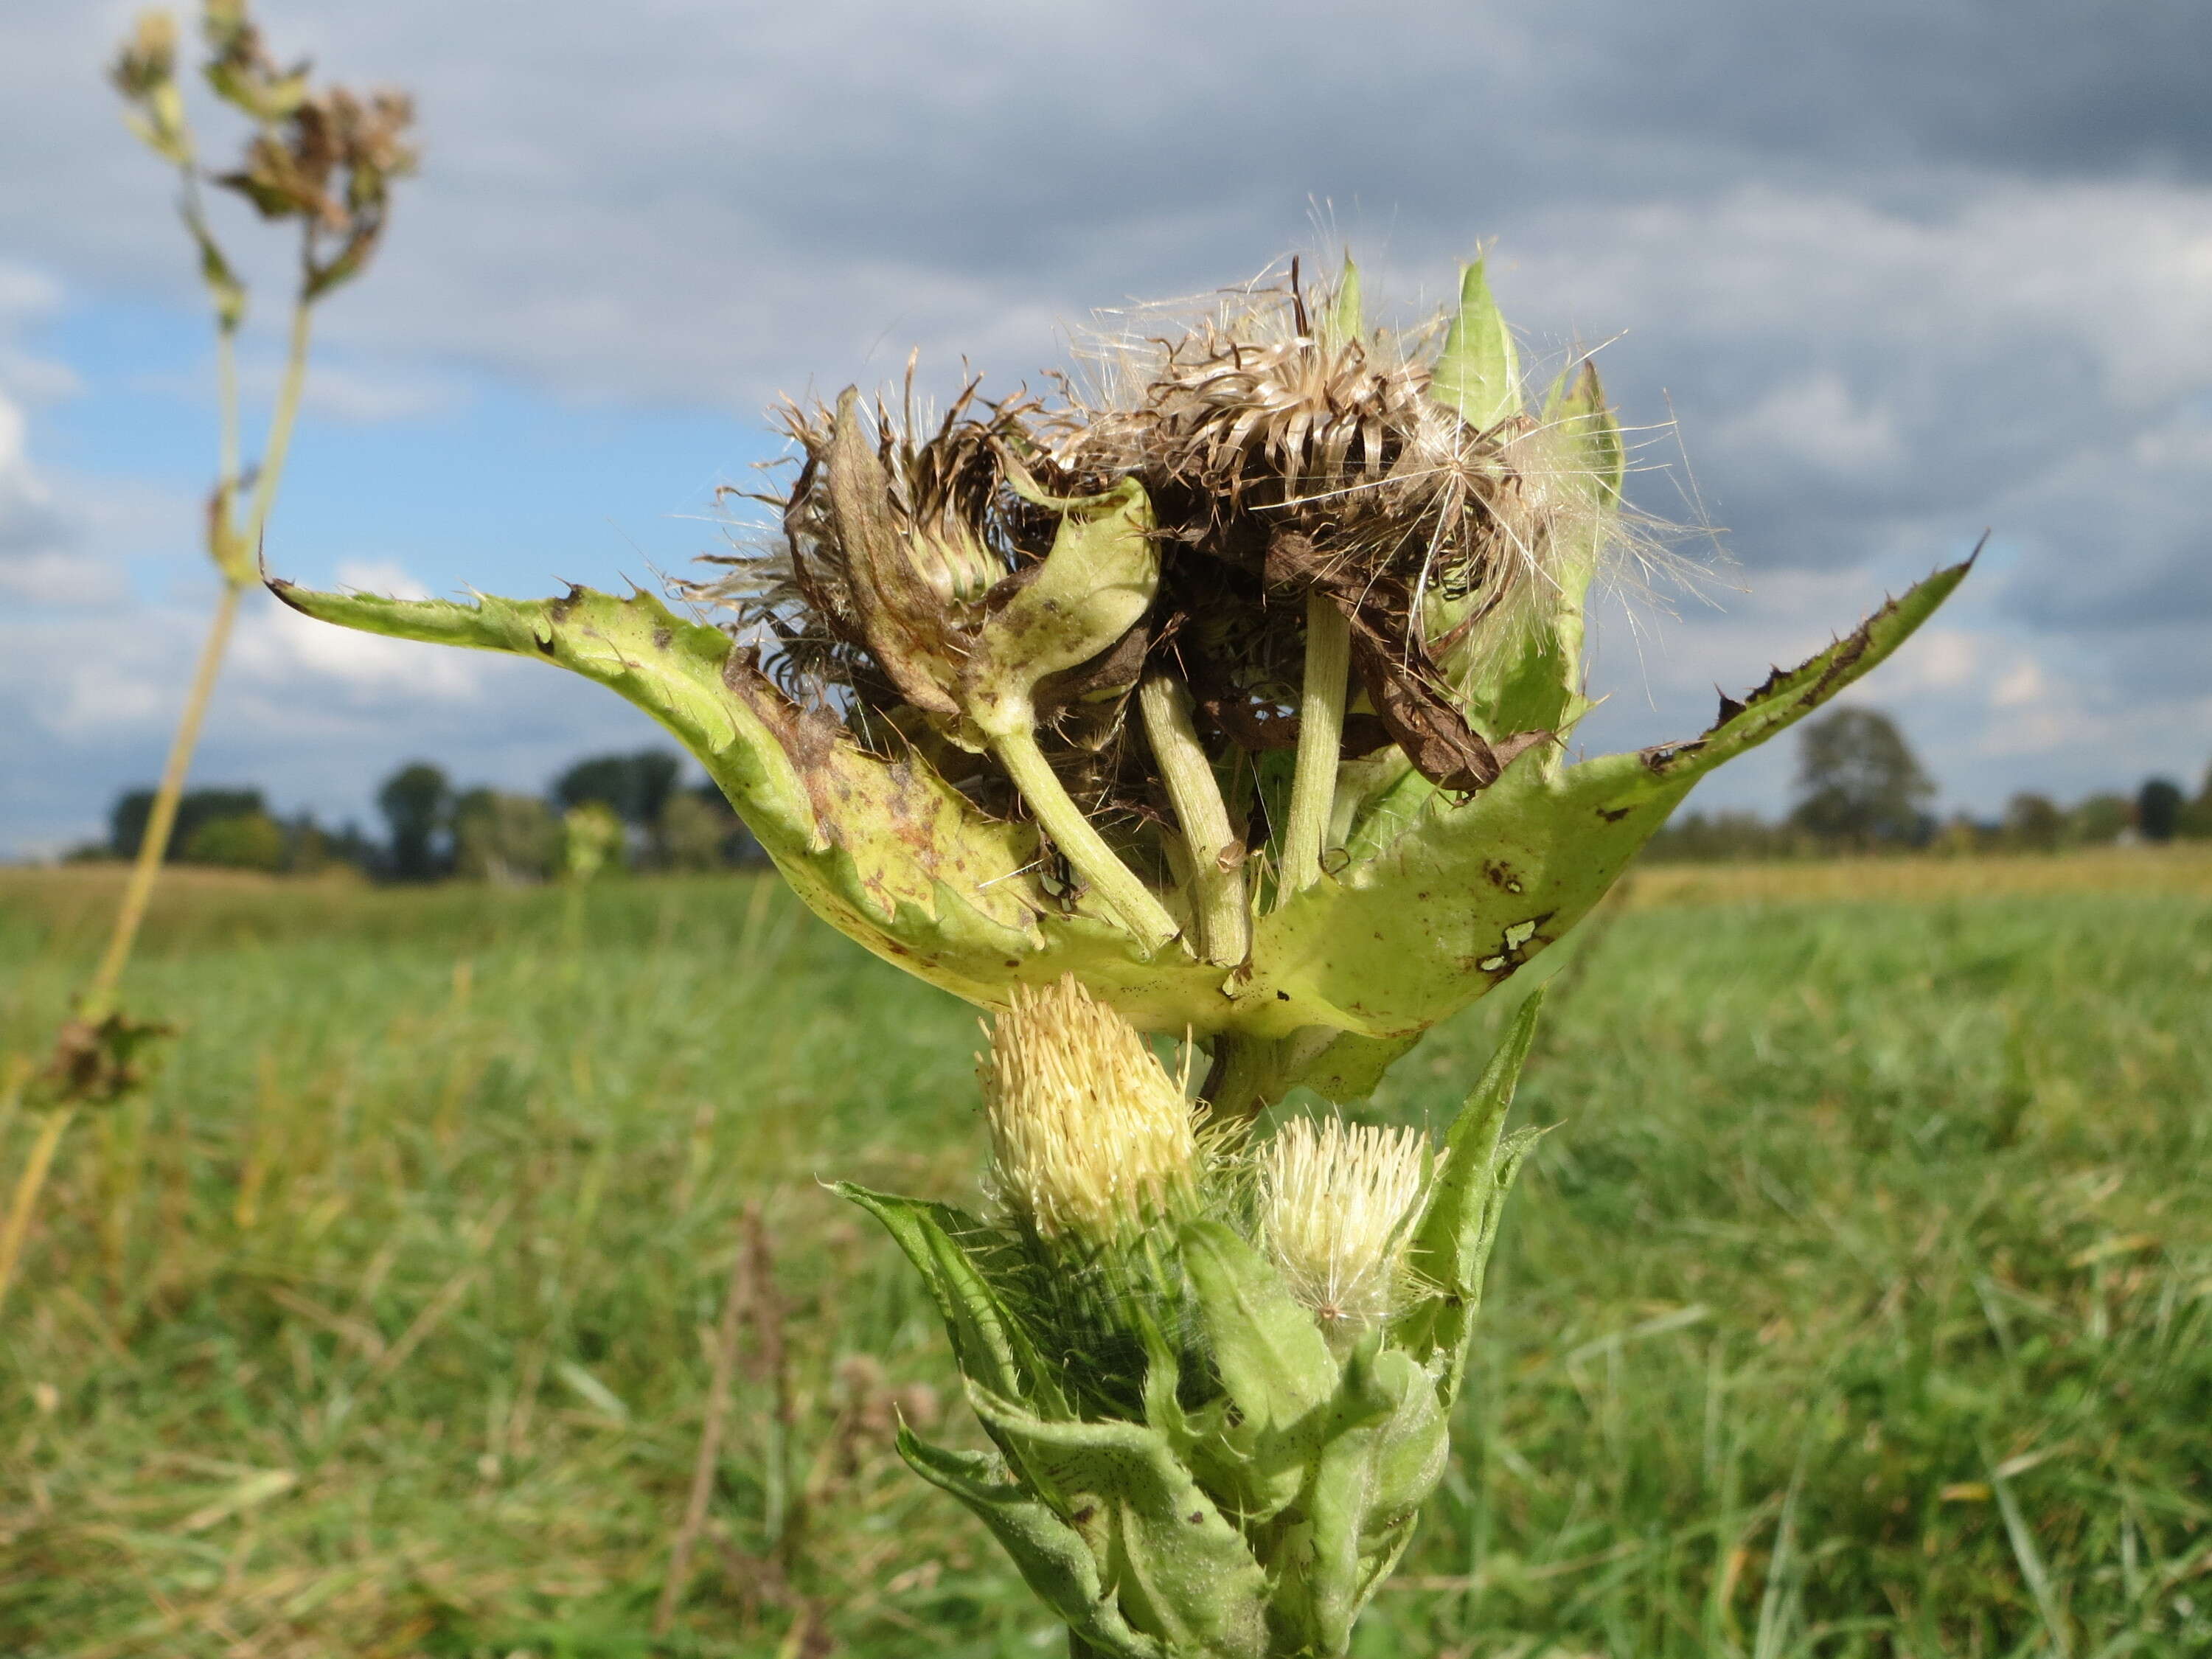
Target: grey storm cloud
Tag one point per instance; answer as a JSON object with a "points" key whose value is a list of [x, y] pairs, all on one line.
{"points": [[1900, 271]]}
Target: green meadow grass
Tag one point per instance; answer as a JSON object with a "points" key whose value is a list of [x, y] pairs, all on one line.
{"points": [[1859, 1302]]}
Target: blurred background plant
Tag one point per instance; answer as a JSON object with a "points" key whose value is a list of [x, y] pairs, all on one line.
{"points": [[322, 161]]}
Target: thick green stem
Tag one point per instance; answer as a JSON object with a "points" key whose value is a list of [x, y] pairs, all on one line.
{"points": [[1085, 849], [1320, 744], [1224, 924]]}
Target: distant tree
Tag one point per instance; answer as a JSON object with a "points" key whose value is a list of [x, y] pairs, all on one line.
{"points": [[417, 804], [505, 839], [2157, 810], [698, 831], [349, 844], [126, 819], [308, 848], [2033, 823], [1858, 780], [1696, 838], [1962, 836], [2195, 820], [636, 785], [244, 840], [2098, 820]]}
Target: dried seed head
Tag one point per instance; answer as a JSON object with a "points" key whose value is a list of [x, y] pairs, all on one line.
{"points": [[1263, 451], [327, 158], [1339, 436], [1279, 439], [145, 72], [148, 58], [1336, 1207], [239, 68], [873, 580], [1089, 1137]]}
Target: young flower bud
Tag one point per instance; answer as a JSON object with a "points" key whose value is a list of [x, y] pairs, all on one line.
{"points": [[1336, 1205], [1089, 1137]]}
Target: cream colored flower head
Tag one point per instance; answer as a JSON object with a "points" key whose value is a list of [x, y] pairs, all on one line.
{"points": [[1090, 1136], [1336, 1210]]}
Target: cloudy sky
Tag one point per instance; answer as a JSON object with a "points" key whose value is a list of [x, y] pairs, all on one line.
{"points": [[1873, 279]]}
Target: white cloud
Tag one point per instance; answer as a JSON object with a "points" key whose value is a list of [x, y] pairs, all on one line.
{"points": [[2120, 267], [281, 653], [1942, 660], [1817, 422], [361, 397], [2020, 686], [35, 562], [37, 558]]}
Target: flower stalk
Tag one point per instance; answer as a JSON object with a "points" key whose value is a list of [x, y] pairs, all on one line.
{"points": [[1209, 842], [1134, 905], [1320, 743], [367, 149]]}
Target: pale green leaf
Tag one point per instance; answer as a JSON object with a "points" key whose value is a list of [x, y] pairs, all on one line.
{"points": [[1055, 1561], [1179, 1568], [1479, 371], [988, 1343]]}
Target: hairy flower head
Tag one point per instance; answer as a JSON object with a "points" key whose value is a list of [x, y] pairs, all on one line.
{"points": [[1090, 1136], [1336, 1204]]}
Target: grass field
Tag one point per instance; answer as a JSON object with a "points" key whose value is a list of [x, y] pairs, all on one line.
{"points": [[1860, 1304]]}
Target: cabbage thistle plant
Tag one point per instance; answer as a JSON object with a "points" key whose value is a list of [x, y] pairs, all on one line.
{"points": [[1229, 700], [1239, 688]]}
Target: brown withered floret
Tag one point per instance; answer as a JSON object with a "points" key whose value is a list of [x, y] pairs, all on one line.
{"points": [[1280, 461]]}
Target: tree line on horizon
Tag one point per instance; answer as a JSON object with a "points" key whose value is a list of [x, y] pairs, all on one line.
{"points": [[1860, 789], [434, 831]]}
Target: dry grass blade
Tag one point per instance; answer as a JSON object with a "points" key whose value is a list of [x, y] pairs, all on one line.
{"points": [[710, 1433]]}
